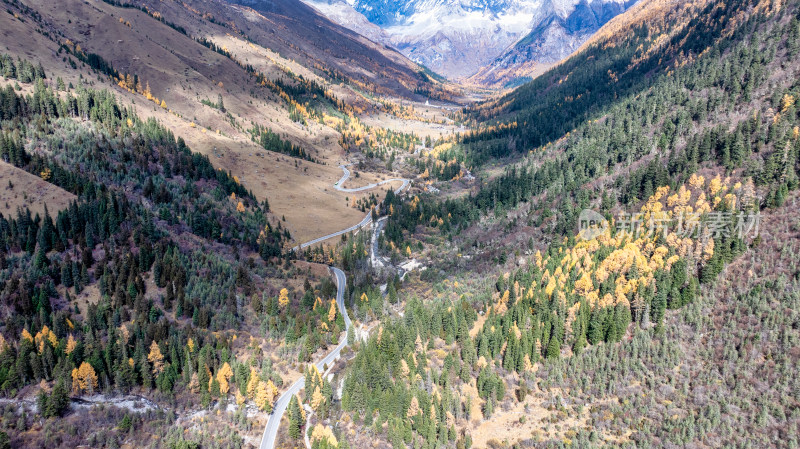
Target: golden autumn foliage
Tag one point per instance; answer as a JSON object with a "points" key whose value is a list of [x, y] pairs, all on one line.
{"points": [[156, 358], [45, 335], [71, 344], [404, 370], [283, 297], [332, 312], [272, 391], [672, 230], [697, 181], [265, 395], [223, 376], [316, 398], [84, 379], [252, 383], [787, 102], [324, 433], [502, 303], [261, 399], [413, 408]]}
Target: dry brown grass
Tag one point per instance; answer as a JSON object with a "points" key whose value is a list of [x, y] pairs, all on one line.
{"points": [[532, 419], [183, 72], [29, 191]]}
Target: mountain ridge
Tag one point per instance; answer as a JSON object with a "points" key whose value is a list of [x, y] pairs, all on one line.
{"points": [[464, 39]]}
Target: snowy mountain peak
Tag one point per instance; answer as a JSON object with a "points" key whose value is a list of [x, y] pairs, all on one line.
{"points": [[458, 37]]}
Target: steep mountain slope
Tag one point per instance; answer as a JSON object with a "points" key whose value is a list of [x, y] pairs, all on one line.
{"points": [[295, 31], [193, 57], [650, 39], [554, 38], [454, 37], [104, 294], [671, 324], [158, 165]]}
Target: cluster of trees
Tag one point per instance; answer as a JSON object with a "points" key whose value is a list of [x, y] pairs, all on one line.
{"points": [[272, 142], [307, 319], [140, 193], [762, 145], [391, 381], [380, 143], [366, 203], [93, 60], [22, 70], [668, 126]]}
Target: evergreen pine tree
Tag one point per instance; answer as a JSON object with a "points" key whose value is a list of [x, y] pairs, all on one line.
{"points": [[295, 418]]}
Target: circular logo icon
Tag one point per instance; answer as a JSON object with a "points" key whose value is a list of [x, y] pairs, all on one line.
{"points": [[591, 224]]}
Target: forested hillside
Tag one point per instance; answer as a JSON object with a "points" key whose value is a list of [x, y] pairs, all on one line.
{"points": [[690, 150], [143, 283], [278, 97], [605, 256], [612, 68]]}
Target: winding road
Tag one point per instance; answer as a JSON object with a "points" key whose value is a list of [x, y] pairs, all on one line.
{"points": [[271, 429], [367, 219], [346, 175]]}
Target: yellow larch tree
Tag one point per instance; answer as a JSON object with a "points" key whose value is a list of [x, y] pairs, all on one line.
{"points": [[252, 383], [332, 312], [156, 358], [316, 398], [223, 376], [323, 433], [413, 408], [283, 297], [272, 391], [404, 370], [71, 344], [84, 378], [261, 399], [239, 397]]}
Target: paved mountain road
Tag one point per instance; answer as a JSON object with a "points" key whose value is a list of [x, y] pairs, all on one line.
{"points": [[271, 429], [367, 219], [338, 185], [274, 421]]}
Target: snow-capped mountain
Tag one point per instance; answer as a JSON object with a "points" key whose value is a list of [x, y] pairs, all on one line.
{"points": [[457, 38], [553, 38]]}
